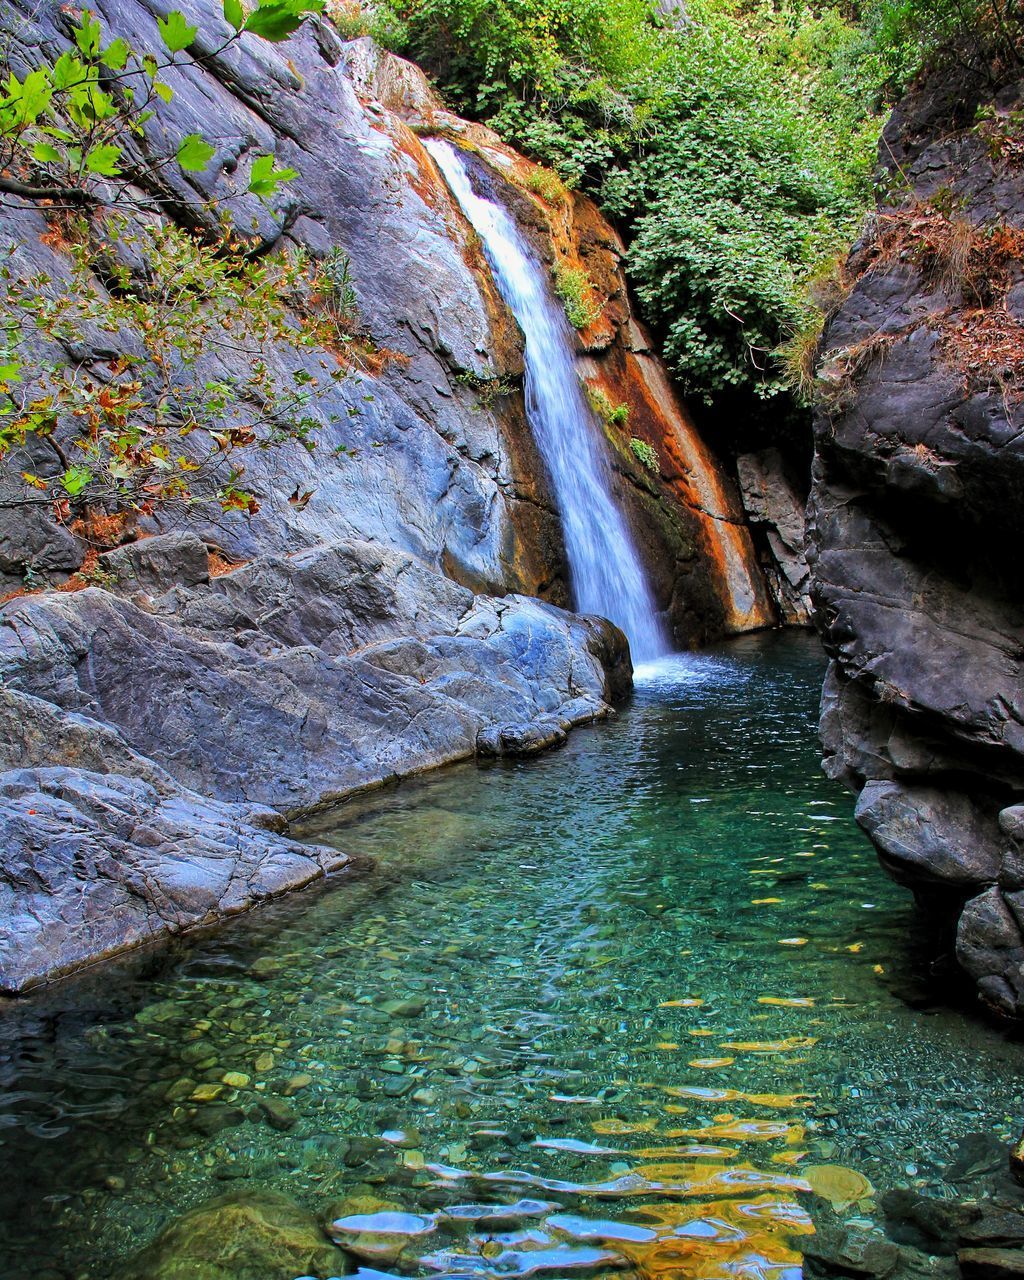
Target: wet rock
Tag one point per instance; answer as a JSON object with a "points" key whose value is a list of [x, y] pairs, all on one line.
{"points": [[213, 1120], [277, 1113], [914, 522], [925, 1221], [245, 1235], [998, 1228], [1017, 1160], [991, 1264], [519, 739], [375, 1230], [775, 505], [976, 1154], [835, 1251]]}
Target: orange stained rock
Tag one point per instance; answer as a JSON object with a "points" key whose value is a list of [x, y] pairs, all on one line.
{"points": [[770, 1046], [788, 1002], [709, 1064], [702, 1151], [690, 1002], [695, 1179], [744, 1130], [623, 1126]]}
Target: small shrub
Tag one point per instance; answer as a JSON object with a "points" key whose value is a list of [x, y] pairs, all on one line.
{"points": [[337, 292], [548, 185], [488, 389], [573, 286], [613, 415], [349, 19], [645, 454]]}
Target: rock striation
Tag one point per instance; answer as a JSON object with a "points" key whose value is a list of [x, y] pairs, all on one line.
{"points": [[915, 521]]}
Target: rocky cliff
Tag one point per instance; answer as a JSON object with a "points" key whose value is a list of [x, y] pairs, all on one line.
{"points": [[168, 706], [916, 517]]}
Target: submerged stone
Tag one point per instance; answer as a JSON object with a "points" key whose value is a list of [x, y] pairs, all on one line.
{"points": [[245, 1235]]}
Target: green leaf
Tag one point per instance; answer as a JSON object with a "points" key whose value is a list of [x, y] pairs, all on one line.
{"points": [[175, 31], [264, 178], [33, 97], [87, 34], [275, 20], [115, 55], [46, 154], [10, 372], [234, 13], [163, 91], [75, 479], [67, 70], [195, 153], [104, 160]]}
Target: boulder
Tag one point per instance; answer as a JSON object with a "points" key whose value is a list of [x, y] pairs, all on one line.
{"points": [[245, 1235], [96, 864]]}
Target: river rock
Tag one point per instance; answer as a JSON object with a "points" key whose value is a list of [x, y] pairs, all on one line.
{"points": [[991, 1264], [376, 1231], [245, 1235], [836, 1251], [97, 863]]}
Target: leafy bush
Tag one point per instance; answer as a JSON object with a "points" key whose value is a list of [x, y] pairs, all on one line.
{"points": [[645, 454], [572, 284]]}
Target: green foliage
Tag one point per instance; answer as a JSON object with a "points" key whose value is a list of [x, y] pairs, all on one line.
{"points": [[336, 290], [645, 454], [547, 184], [118, 431], [735, 150], [984, 36], [572, 285], [141, 429]]}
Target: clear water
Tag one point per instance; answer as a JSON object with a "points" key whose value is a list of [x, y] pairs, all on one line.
{"points": [[607, 576], [556, 985]]}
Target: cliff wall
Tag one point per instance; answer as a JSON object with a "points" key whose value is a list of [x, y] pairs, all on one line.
{"points": [[915, 522]]}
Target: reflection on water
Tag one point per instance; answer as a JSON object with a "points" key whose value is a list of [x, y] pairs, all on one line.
{"points": [[612, 1008]]}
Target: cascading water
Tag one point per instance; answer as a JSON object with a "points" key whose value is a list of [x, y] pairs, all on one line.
{"points": [[607, 577]]}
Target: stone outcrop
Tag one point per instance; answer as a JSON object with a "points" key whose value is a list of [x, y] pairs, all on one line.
{"points": [[272, 689], [775, 508], [915, 524]]}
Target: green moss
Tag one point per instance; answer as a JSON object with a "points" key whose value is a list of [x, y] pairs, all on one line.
{"points": [[548, 185], [613, 415]]}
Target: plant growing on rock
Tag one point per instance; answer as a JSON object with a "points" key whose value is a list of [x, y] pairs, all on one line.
{"points": [[613, 415], [573, 286], [645, 454], [132, 414]]}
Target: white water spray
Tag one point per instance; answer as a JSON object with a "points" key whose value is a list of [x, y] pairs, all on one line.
{"points": [[607, 577]]}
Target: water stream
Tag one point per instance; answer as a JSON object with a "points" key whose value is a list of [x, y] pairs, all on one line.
{"points": [[647, 983], [607, 575]]}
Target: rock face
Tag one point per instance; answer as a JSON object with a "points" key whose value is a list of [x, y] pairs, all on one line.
{"points": [[271, 689], [170, 699], [915, 525]]}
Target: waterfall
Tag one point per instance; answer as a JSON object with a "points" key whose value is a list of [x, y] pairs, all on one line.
{"points": [[607, 577]]}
